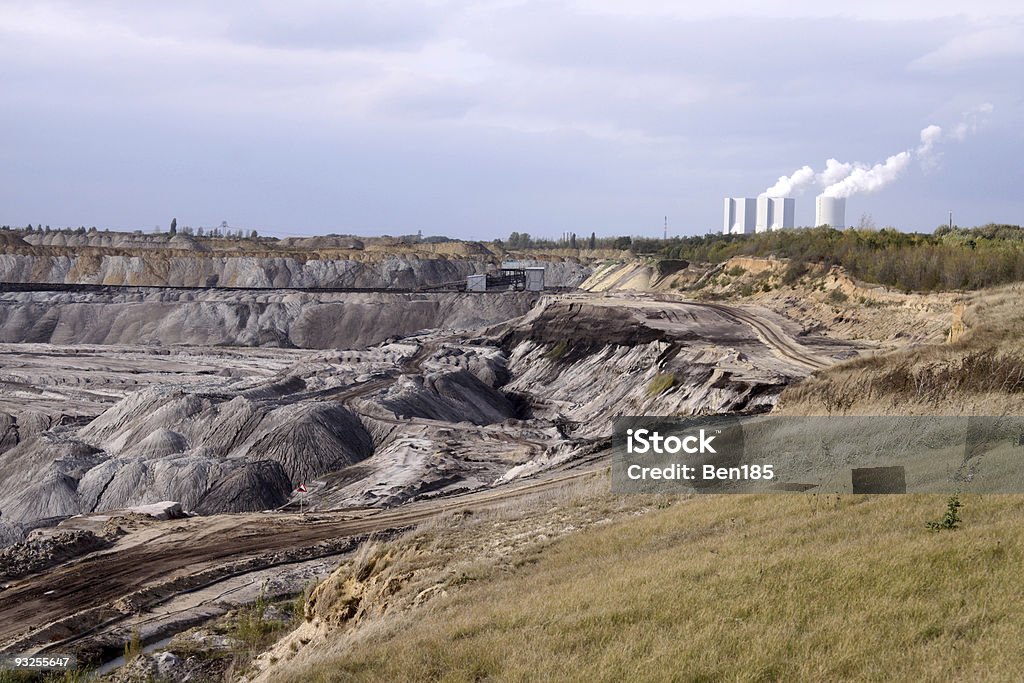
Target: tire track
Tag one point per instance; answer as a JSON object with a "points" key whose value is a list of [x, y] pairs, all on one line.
{"points": [[77, 600], [771, 335]]}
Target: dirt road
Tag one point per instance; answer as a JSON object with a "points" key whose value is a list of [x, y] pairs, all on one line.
{"points": [[77, 599], [771, 335]]}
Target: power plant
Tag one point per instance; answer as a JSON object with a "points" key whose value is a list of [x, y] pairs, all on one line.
{"points": [[830, 211], [745, 215], [775, 213], [740, 216]]}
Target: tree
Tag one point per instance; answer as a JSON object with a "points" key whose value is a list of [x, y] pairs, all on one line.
{"points": [[254, 235], [174, 226], [572, 241], [593, 240]]}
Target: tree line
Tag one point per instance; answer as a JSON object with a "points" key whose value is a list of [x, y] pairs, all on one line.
{"points": [[948, 259], [523, 240]]}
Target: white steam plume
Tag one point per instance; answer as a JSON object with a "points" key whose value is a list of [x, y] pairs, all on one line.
{"points": [[926, 153], [835, 171], [862, 178], [842, 179], [970, 121], [788, 186], [930, 136], [870, 179]]}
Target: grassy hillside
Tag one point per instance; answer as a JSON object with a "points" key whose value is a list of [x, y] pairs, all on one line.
{"points": [[979, 372], [752, 588]]}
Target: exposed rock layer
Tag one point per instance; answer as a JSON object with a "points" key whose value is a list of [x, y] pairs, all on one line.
{"points": [[184, 268], [214, 318]]}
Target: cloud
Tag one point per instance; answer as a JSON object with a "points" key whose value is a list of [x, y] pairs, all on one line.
{"points": [[973, 49], [694, 101], [866, 10]]}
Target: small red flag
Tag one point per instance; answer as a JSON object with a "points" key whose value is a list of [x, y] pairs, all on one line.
{"points": [[302, 488]]}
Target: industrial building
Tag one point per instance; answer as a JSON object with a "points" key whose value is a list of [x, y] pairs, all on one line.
{"points": [[830, 211], [740, 216], [775, 213], [530, 279]]}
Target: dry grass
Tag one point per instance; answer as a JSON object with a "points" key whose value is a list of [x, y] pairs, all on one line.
{"points": [[660, 383], [387, 581], [985, 380], [780, 587], [981, 373]]}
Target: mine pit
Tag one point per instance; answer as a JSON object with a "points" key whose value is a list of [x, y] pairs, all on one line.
{"points": [[161, 450]]}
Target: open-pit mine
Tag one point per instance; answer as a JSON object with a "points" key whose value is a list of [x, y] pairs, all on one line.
{"points": [[174, 450]]}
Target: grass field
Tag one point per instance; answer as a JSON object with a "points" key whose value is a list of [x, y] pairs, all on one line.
{"points": [[736, 588]]}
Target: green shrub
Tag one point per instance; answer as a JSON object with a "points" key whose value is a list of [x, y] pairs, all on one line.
{"points": [[794, 271], [950, 260], [951, 520]]}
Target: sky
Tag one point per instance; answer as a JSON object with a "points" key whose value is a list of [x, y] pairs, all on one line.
{"points": [[476, 119]]}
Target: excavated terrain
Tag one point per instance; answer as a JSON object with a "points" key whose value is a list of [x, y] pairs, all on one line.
{"points": [[274, 318], [156, 448], [183, 261], [425, 415]]}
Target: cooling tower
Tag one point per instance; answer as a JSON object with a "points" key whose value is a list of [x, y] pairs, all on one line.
{"points": [[740, 216], [783, 214], [765, 208], [830, 211], [775, 213]]}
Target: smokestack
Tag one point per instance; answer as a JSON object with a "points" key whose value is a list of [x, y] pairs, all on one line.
{"points": [[830, 211]]}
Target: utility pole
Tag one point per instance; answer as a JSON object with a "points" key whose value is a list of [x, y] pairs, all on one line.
{"points": [[951, 219], [666, 228]]}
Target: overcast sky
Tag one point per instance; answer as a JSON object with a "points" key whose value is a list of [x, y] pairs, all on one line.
{"points": [[474, 119]]}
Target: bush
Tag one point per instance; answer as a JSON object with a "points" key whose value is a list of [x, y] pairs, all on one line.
{"points": [[951, 520], [837, 297], [794, 271], [946, 260]]}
